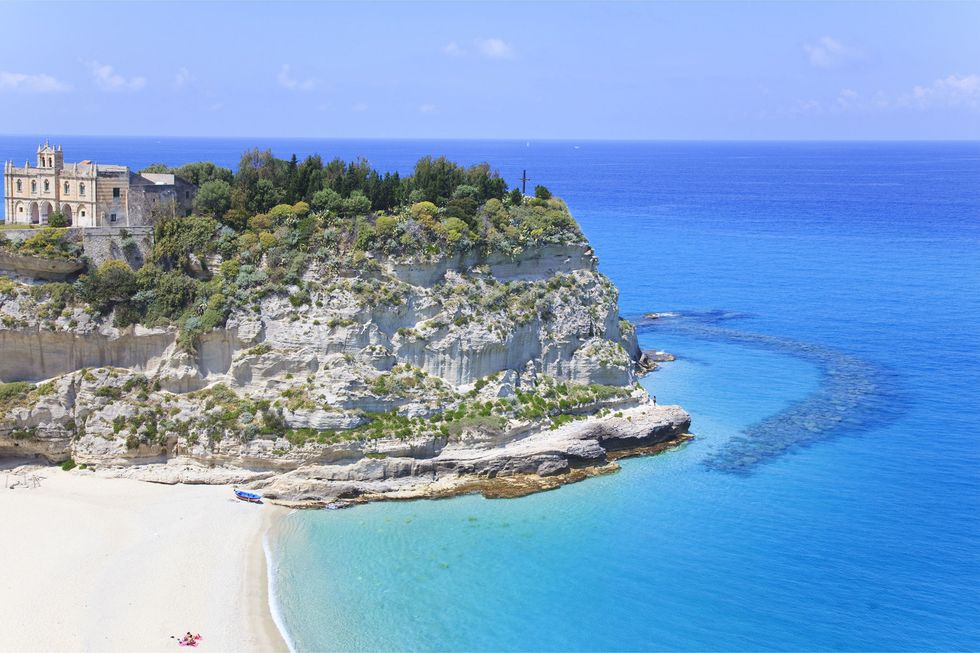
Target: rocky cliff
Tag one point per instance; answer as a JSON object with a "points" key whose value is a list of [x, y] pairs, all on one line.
{"points": [[394, 375]]}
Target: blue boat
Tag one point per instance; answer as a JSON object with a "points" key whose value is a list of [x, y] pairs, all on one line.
{"points": [[251, 497]]}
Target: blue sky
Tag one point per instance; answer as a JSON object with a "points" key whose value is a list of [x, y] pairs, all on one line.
{"points": [[731, 70]]}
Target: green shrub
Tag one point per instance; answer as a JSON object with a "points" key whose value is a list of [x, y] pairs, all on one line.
{"points": [[68, 465], [57, 219], [14, 391]]}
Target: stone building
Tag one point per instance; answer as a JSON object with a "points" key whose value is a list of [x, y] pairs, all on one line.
{"points": [[90, 194]]}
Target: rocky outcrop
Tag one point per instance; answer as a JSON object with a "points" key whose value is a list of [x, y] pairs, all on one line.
{"points": [[401, 378], [565, 454], [37, 267]]}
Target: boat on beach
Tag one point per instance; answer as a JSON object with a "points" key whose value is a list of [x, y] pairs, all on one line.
{"points": [[250, 497]]}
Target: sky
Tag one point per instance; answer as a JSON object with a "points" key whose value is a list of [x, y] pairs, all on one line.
{"points": [[731, 70]]}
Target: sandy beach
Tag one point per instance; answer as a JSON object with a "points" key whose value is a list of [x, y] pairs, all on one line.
{"points": [[98, 564]]}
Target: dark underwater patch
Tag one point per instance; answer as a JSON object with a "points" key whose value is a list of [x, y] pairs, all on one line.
{"points": [[854, 395]]}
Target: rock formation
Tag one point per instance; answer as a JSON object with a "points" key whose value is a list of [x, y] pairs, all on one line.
{"points": [[397, 376]]}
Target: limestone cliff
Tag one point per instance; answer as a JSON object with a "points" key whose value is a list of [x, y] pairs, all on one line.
{"points": [[364, 378]]}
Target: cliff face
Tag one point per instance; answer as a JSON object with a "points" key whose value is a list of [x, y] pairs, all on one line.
{"points": [[364, 379]]}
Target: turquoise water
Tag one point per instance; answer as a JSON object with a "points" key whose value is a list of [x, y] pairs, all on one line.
{"points": [[829, 353]]}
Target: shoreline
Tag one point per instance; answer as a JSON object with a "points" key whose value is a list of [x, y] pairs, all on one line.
{"points": [[270, 632], [112, 564], [273, 625]]}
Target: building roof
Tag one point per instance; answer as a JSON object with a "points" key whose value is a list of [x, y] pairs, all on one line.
{"points": [[159, 178], [111, 168]]}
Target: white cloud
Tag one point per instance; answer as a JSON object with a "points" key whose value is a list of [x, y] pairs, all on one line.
{"points": [[183, 77], [286, 80], [846, 98], [952, 91], [427, 108], [24, 83], [828, 52], [360, 107], [807, 107], [949, 91], [452, 49], [494, 49], [108, 79]]}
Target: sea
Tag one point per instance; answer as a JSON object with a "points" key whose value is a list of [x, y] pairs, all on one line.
{"points": [[823, 303]]}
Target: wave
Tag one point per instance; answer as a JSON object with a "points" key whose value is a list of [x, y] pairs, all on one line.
{"points": [[854, 395]]}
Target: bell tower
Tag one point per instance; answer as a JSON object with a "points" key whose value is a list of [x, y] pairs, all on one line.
{"points": [[50, 158]]}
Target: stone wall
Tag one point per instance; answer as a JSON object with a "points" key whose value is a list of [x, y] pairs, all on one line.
{"points": [[101, 244], [131, 244]]}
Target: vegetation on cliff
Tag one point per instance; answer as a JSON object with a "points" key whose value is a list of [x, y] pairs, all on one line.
{"points": [[257, 231], [48, 242], [365, 306]]}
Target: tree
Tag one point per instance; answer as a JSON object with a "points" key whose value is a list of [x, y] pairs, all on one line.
{"points": [[57, 219], [173, 292], [237, 219], [265, 196], [542, 193], [111, 283], [177, 238], [487, 181], [326, 200], [356, 204], [437, 178], [516, 197], [293, 191], [466, 191], [213, 198], [310, 176], [201, 172], [157, 168]]}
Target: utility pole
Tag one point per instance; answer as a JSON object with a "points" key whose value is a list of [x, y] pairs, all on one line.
{"points": [[524, 179]]}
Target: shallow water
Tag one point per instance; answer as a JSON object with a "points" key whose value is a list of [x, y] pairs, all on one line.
{"points": [[831, 499]]}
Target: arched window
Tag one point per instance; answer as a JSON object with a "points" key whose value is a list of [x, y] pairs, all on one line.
{"points": [[47, 186], [33, 185], [20, 186], [81, 189], [67, 188]]}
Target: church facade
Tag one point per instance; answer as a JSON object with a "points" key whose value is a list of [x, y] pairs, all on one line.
{"points": [[88, 194]]}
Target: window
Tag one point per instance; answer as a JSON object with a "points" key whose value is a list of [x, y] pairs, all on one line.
{"points": [[81, 189], [20, 186], [67, 188], [20, 209], [115, 193], [47, 186], [82, 214], [33, 185], [112, 217]]}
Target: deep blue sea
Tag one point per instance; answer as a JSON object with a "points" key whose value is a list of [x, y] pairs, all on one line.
{"points": [[828, 344]]}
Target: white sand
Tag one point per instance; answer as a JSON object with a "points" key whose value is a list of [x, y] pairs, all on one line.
{"points": [[94, 564]]}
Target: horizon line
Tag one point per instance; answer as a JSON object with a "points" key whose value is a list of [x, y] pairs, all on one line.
{"points": [[514, 139]]}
